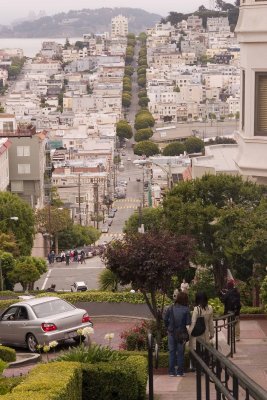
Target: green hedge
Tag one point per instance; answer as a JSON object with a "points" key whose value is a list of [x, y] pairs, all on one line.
{"points": [[7, 354], [120, 380], [163, 361], [53, 381], [3, 366], [7, 384]]}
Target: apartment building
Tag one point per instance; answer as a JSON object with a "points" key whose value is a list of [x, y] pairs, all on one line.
{"points": [[119, 26]]}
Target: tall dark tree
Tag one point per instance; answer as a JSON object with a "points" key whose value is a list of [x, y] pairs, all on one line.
{"points": [[148, 262]]}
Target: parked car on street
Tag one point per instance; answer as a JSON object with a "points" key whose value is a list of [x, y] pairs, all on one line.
{"points": [[105, 229], [111, 214], [41, 320], [79, 287], [110, 220]]}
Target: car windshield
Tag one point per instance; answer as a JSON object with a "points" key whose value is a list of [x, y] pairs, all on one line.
{"points": [[52, 307]]}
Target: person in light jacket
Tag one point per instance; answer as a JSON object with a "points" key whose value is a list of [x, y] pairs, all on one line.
{"points": [[201, 303]]}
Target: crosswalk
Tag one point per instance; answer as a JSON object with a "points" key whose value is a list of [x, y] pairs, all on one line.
{"points": [[127, 200], [112, 235], [128, 207]]}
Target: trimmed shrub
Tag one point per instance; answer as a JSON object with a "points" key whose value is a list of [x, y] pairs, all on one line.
{"points": [[3, 365], [140, 365], [163, 361], [119, 380], [7, 354], [7, 384], [53, 381]]}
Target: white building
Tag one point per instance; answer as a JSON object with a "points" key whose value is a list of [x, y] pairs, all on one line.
{"points": [[119, 26], [252, 139], [4, 164]]}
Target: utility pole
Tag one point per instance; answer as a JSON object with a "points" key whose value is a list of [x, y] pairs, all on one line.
{"points": [[96, 204], [79, 198]]}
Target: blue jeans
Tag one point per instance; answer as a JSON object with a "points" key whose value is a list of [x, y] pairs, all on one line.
{"points": [[176, 355]]}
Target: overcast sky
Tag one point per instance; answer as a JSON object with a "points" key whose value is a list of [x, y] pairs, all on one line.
{"points": [[13, 9]]}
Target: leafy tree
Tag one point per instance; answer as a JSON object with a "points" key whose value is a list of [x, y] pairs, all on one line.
{"points": [[142, 62], [127, 87], [194, 145], [141, 71], [142, 37], [67, 44], [79, 44], [141, 81], [129, 70], [126, 99], [176, 89], [195, 208], [146, 148], [23, 229], [144, 119], [151, 218], [174, 149], [77, 236], [143, 101], [53, 221], [8, 243], [7, 265], [27, 270], [143, 134], [147, 262], [124, 130], [142, 93]]}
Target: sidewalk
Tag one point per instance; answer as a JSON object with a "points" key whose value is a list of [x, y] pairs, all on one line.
{"points": [[251, 357]]}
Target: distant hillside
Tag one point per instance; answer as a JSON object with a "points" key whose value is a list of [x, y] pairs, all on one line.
{"points": [[75, 23]]}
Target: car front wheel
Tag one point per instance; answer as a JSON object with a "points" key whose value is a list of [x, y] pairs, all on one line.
{"points": [[31, 343]]}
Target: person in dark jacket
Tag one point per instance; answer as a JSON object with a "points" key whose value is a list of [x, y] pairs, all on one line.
{"points": [[231, 301], [177, 316]]}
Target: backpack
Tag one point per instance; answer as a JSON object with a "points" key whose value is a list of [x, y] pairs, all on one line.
{"points": [[200, 325], [234, 301]]}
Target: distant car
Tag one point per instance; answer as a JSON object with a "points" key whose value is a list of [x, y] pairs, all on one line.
{"points": [[41, 320], [138, 180], [105, 229], [79, 287], [129, 159], [114, 210], [110, 220], [123, 153], [111, 214]]}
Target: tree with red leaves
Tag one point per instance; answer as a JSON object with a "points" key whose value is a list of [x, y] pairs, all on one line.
{"points": [[148, 262]]}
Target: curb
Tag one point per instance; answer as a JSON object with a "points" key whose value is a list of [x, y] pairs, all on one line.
{"points": [[118, 318], [29, 359]]}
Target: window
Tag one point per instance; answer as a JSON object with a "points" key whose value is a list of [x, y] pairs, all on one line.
{"points": [[8, 127], [17, 186], [24, 168], [260, 123], [23, 151]]}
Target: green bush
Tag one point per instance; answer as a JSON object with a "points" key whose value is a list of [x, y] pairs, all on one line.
{"points": [[139, 364], [251, 310], [53, 381], [105, 381], [7, 384], [3, 365], [163, 360], [7, 354], [8, 293]]}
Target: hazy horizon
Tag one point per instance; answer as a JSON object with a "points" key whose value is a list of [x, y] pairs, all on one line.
{"points": [[16, 9]]}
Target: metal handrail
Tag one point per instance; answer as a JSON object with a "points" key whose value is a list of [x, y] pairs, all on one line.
{"points": [[152, 346], [227, 321], [221, 372]]}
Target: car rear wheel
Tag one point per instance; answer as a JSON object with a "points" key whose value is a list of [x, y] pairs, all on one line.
{"points": [[31, 343]]}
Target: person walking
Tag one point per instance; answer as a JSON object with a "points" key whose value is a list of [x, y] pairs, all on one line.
{"points": [[83, 257], [232, 303], [184, 286], [68, 258], [176, 319], [202, 308]]}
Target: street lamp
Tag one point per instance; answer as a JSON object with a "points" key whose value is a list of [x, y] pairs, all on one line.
{"points": [[1, 272]]}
